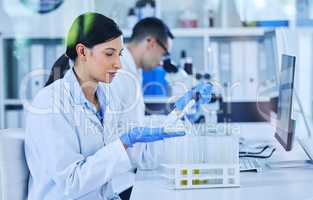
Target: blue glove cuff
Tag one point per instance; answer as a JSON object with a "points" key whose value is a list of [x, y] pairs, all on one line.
{"points": [[125, 138], [183, 101], [201, 93]]}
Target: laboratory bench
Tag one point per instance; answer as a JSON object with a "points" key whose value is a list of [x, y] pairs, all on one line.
{"points": [[270, 184], [286, 184]]}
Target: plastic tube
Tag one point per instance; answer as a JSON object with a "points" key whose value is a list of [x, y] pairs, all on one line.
{"points": [[175, 116]]}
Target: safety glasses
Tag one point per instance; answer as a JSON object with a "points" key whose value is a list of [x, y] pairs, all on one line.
{"points": [[166, 53]]}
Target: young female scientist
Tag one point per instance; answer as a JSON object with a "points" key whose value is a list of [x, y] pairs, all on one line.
{"points": [[65, 144]]}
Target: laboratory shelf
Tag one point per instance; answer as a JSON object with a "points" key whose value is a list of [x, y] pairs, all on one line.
{"points": [[178, 32], [212, 32], [36, 35], [13, 102], [234, 32], [158, 99], [190, 32]]}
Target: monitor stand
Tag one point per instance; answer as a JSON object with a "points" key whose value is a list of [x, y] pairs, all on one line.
{"points": [[306, 144], [290, 164]]}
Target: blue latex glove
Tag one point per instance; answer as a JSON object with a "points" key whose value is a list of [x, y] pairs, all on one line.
{"points": [[201, 93], [147, 135], [195, 114]]}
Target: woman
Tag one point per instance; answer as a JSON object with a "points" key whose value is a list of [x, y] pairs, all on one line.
{"points": [[66, 143]]}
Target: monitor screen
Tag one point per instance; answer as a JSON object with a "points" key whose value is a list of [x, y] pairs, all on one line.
{"points": [[285, 126], [269, 72]]}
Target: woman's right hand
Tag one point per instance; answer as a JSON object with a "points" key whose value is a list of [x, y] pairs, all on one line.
{"points": [[144, 134]]}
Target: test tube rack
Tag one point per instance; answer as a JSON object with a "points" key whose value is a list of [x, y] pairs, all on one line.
{"points": [[191, 176], [201, 160]]}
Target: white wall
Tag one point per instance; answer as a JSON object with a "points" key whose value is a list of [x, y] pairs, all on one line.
{"points": [[115, 9], [20, 21], [252, 10]]}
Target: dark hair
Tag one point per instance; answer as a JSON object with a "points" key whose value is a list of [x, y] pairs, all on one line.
{"points": [[151, 26], [88, 29]]}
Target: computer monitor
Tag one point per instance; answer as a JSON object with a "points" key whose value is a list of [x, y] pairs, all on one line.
{"points": [[270, 70], [285, 126]]}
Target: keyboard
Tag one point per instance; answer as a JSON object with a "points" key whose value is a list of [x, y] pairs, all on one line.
{"points": [[250, 165]]}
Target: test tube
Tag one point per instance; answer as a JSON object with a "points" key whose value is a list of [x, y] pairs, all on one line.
{"points": [[180, 151], [187, 149], [192, 149], [202, 147], [176, 115], [198, 148], [172, 154], [167, 152]]}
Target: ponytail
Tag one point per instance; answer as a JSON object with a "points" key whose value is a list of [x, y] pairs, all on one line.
{"points": [[60, 67]]}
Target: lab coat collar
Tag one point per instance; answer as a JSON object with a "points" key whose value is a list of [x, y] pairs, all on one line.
{"points": [[128, 64], [78, 95], [131, 61]]}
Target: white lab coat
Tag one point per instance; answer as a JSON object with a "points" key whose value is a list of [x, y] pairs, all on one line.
{"points": [[69, 153], [127, 88], [127, 110]]}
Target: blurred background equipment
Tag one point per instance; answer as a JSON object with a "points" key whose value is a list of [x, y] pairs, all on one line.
{"points": [[236, 45], [198, 54]]}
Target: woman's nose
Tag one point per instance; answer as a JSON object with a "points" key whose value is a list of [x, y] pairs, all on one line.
{"points": [[117, 63]]}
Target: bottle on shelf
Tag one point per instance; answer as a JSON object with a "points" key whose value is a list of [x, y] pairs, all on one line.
{"points": [[303, 13], [210, 17], [188, 19], [186, 62], [132, 18], [228, 15], [302, 7], [209, 14], [188, 66], [145, 8], [182, 60]]}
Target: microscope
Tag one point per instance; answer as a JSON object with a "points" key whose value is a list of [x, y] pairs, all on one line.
{"points": [[181, 79]]}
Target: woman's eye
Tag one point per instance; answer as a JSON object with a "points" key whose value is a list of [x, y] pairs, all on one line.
{"points": [[109, 54]]}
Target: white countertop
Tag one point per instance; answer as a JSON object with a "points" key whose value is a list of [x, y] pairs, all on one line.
{"points": [[281, 184], [286, 184]]}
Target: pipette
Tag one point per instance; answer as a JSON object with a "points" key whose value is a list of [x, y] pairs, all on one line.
{"points": [[171, 123]]}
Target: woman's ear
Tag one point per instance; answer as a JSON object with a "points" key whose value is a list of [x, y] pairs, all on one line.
{"points": [[81, 51]]}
